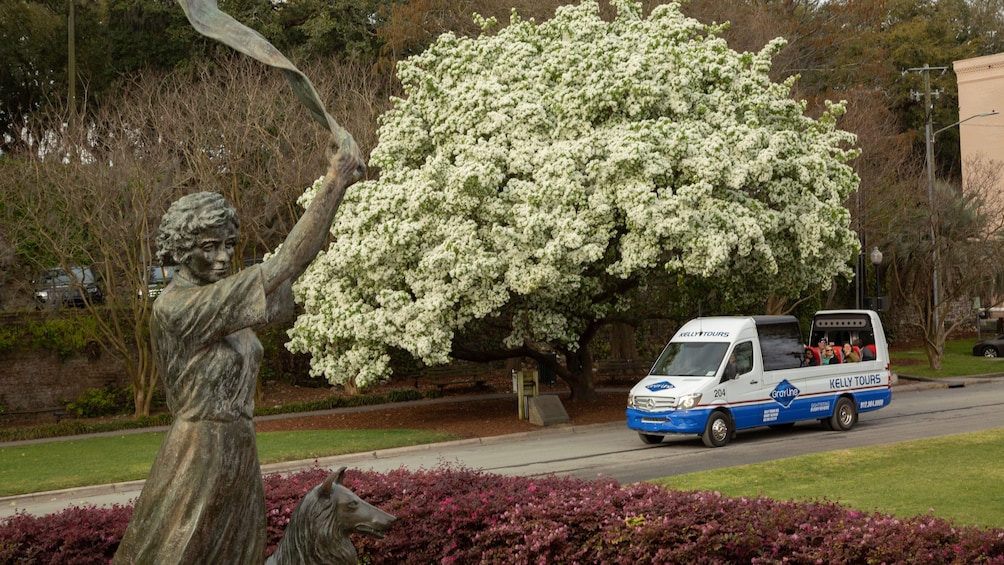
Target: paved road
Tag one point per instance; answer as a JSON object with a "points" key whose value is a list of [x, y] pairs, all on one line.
{"points": [[614, 451]]}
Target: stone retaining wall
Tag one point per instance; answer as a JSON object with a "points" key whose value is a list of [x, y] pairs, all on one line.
{"points": [[36, 383]]}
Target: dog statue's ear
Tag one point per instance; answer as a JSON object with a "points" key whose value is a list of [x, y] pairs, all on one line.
{"points": [[333, 478]]}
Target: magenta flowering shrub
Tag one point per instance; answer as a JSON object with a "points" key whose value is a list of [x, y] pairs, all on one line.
{"points": [[282, 495], [76, 536], [458, 516]]}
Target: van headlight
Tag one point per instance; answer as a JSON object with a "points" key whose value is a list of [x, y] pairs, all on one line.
{"points": [[689, 401]]}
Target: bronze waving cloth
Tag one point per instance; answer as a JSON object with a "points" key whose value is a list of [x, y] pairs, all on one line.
{"points": [[207, 19]]}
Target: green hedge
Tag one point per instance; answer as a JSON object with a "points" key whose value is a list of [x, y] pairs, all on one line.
{"points": [[79, 427]]}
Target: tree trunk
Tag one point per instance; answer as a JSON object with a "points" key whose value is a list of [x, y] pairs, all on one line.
{"points": [[350, 388], [934, 343], [933, 356], [622, 341], [144, 379], [141, 399], [578, 374], [582, 389]]}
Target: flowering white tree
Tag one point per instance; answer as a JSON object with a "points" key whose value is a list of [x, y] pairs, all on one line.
{"points": [[533, 183]]}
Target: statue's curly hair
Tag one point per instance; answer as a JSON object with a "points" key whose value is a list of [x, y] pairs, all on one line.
{"points": [[186, 219]]}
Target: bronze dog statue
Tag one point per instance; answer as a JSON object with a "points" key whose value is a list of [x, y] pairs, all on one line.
{"points": [[318, 531]]}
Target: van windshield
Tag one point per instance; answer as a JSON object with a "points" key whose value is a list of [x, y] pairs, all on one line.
{"points": [[690, 359]]}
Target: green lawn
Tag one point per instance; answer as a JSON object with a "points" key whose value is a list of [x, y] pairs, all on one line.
{"points": [[954, 477], [100, 460], [958, 361]]}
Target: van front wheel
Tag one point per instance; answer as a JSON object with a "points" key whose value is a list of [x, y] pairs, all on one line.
{"points": [[719, 430], [650, 439], [844, 415]]}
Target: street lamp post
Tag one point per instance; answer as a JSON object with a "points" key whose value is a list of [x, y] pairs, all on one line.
{"points": [[929, 136], [876, 257]]}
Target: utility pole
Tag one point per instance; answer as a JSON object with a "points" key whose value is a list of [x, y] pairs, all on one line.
{"points": [[71, 65], [927, 95], [929, 135]]}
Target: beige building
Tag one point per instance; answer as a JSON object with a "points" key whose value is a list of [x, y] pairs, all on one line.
{"points": [[981, 90]]}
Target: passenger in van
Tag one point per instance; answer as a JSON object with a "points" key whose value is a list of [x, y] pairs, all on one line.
{"points": [[850, 356], [827, 355], [731, 369], [809, 359], [867, 351]]}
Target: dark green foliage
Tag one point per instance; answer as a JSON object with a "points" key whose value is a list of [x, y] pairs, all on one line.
{"points": [[404, 395], [153, 34], [34, 57], [95, 398], [81, 427], [32, 54], [325, 404], [324, 28], [63, 336], [9, 338], [97, 402], [127, 37], [279, 364]]}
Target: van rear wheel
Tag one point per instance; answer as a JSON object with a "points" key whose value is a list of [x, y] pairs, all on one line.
{"points": [[719, 430], [650, 439], [844, 415]]}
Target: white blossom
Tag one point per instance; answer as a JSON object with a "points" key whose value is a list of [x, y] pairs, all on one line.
{"points": [[529, 167]]}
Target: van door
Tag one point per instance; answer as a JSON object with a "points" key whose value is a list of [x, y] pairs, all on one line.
{"points": [[741, 385]]}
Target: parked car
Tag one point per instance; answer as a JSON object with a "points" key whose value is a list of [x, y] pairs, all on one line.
{"points": [[157, 278], [56, 287], [990, 347]]}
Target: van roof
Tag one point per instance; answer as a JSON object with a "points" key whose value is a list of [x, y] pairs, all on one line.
{"points": [[774, 320], [717, 328], [724, 328]]}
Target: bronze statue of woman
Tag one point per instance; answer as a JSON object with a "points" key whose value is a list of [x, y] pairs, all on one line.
{"points": [[203, 501]]}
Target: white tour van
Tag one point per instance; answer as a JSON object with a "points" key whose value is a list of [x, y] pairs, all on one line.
{"points": [[722, 374]]}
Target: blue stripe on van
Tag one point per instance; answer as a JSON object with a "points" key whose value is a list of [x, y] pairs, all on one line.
{"points": [[756, 413]]}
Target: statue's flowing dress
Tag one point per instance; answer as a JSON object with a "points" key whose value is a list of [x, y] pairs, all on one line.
{"points": [[203, 501]]}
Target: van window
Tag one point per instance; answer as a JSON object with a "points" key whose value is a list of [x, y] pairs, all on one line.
{"points": [[780, 345], [842, 327], [690, 359], [744, 357]]}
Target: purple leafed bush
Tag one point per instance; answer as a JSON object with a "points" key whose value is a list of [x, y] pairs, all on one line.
{"points": [[458, 516], [75, 536]]}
